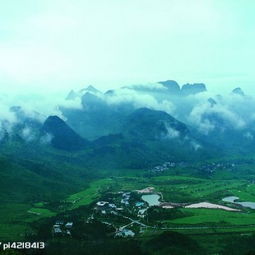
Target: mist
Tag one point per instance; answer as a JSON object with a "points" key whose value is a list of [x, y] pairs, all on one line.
{"points": [[195, 110], [48, 48], [55, 46]]}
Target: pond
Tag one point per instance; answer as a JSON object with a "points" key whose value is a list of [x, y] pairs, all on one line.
{"points": [[232, 199], [151, 199], [247, 204]]}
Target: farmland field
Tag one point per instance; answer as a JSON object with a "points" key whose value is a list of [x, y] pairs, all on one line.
{"points": [[211, 225]]}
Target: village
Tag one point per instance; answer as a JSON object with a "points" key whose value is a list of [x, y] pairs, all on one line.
{"points": [[209, 168], [213, 167], [127, 212], [128, 206]]}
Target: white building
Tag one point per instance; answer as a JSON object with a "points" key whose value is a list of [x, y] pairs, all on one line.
{"points": [[69, 225]]}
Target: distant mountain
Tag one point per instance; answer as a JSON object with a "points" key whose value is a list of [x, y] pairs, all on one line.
{"points": [[101, 121], [154, 125], [109, 92], [172, 86], [25, 128], [78, 94], [147, 137], [224, 133], [191, 89], [108, 140], [212, 102], [238, 91], [72, 95], [172, 89], [125, 133], [92, 102], [63, 137], [90, 89], [97, 118]]}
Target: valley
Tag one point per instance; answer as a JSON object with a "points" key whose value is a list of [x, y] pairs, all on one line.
{"points": [[127, 127], [140, 207], [118, 176]]}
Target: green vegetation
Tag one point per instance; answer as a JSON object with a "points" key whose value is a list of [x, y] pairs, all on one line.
{"points": [[214, 216], [36, 212], [14, 221], [90, 194], [41, 212]]}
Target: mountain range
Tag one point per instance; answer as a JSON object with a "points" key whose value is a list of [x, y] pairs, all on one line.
{"points": [[139, 126], [45, 158]]}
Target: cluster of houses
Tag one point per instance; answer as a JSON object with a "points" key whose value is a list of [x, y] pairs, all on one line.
{"points": [[105, 207], [165, 166], [124, 232], [125, 198], [208, 167], [60, 228], [212, 167]]}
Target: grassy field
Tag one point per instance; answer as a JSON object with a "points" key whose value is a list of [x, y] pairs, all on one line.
{"points": [[90, 194], [173, 188], [247, 193], [186, 189], [17, 219], [14, 221], [41, 212], [189, 189], [215, 217]]}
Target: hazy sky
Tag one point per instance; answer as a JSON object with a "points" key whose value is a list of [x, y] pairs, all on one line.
{"points": [[60, 44]]}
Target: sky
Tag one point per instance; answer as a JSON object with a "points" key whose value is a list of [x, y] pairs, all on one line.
{"points": [[57, 45]]}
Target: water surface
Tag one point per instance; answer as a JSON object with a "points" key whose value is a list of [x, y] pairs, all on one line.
{"points": [[232, 199], [152, 199]]}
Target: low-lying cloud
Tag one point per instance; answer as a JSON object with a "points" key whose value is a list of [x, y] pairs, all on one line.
{"points": [[229, 110], [139, 99], [15, 108]]}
